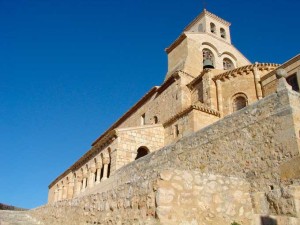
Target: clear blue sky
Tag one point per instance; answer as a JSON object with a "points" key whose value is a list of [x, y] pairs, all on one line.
{"points": [[70, 68]]}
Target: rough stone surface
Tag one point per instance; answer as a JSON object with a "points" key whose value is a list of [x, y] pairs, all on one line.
{"points": [[17, 218]]}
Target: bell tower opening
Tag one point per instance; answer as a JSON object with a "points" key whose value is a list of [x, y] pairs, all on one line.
{"points": [[208, 59], [204, 44]]}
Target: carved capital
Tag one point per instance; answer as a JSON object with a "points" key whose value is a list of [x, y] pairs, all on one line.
{"points": [[106, 160], [93, 169], [99, 165]]}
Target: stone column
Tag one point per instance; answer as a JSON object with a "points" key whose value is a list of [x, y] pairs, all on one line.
{"points": [[208, 92], [55, 198], [84, 183], [70, 191], [92, 177], [257, 84], [78, 185], [220, 97], [99, 167], [105, 170], [64, 191], [59, 194]]}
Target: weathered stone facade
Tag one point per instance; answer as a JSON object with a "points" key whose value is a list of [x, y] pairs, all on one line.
{"points": [[217, 142]]}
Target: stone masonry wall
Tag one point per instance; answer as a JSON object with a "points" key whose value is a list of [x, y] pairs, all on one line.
{"points": [[239, 85], [130, 139], [192, 197], [248, 145], [164, 106]]}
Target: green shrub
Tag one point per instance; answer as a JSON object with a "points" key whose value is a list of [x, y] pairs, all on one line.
{"points": [[235, 223]]}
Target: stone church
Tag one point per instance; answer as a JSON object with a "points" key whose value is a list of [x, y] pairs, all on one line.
{"points": [[156, 149]]}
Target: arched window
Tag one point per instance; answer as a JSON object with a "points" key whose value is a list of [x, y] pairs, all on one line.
{"points": [[155, 119], [239, 101], [212, 28], [142, 151], [109, 165], [208, 59], [102, 168], [227, 64], [95, 174], [223, 33], [200, 28]]}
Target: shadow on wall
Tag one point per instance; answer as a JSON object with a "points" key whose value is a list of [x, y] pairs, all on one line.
{"points": [[265, 220]]}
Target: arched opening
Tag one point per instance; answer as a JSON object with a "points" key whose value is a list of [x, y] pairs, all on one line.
{"points": [[109, 164], [86, 180], [102, 172], [95, 174], [141, 152], [212, 28], [293, 81], [239, 101], [223, 33], [155, 120], [200, 27], [143, 119], [227, 64], [102, 169], [208, 59]]}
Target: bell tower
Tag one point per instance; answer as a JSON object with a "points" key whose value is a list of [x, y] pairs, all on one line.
{"points": [[204, 43]]}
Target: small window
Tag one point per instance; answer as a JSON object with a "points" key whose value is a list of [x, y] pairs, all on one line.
{"points": [[239, 102], [200, 28], [141, 152], [143, 119], [223, 33], [292, 80], [176, 131], [155, 120], [227, 64], [212, 28]]}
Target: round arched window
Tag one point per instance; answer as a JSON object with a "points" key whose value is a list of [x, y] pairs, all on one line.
{"points": [[208, 59], [142, 151], [212, 28], [223, 33], [239, 101], [227, 64]]}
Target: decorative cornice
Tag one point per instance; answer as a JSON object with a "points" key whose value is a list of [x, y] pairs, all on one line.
{"points": [[206, 13], [59, 178], [201, 108], [284, 65], [183, 35], [106, 140], [206, 109], [102, 144], [197, 79], [245, 69], [185, 73], [175, 43], [129, 112], [168, 82]]}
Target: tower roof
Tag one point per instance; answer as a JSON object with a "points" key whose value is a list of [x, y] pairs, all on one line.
{"points": [[209, 14]]}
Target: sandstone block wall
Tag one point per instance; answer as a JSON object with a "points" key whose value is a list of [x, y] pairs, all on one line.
{"points": [[163, 105], [131, 139]]}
